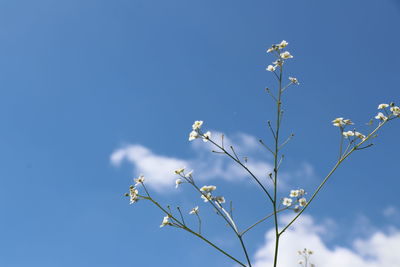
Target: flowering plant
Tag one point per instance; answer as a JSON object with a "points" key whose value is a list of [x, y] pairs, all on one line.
{"points": [[350, 141]]}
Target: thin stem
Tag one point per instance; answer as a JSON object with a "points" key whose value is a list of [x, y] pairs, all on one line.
{"points": [[233, 150], [270, 150], [183, 220], [261, 220], [228, 216], [198, 217], [341, 142], [270, 127], [280, 161], [244, 250], [278, 124], [244, 167], [287, 141], [269, 92]]}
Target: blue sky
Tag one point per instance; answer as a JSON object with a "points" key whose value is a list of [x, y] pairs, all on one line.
{"points": [[81, 79]]}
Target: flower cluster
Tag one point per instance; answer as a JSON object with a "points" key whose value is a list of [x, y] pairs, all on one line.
{"points": [[133, 192], [207, 194], [394, 111], [281, 57], [196, 133], [299, 199], [182, 174], [305, 253], [353, 133], [340, 122]]}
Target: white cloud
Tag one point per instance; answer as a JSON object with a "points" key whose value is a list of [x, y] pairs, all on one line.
{"points": [[159, 168], [392, 213], [378, 250]]}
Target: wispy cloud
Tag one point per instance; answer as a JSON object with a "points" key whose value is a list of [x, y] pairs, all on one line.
{"points": [[379, 249], [392, 213], [159, 168]]}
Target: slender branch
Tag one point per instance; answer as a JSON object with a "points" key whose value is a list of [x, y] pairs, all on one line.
{"points": [[228, 216], [269, 149], [237, 158], [260, 221], [280, 162], [278, 124], [341, 142], [269, 92], [183, 220], [244, 250], [287, 141], [244, 167], [270, 127], [367, 146], [198, 217]]}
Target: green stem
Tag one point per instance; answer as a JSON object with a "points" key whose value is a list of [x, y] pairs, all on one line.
{"points": [[244, 167], [276, 156], [244, 250], [260, 221]]}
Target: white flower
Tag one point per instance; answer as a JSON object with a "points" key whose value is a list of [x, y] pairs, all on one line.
{"points": [[197, 125], [283, 44], [220, 199], [287, 201], [272, 48], [179, 171], [133, 194], [206, 197], [359, 135], [189, 174], [286, 55], [178, 182], [383, 106], [302, 192], [206, 136], [348, 134], [278, 62], [193, 135], [338, 122], [294, 80], [208, 188], [165, 221], [139, 180], [294, 193], [271, 68], [348, 122], [395, 111], [380, 116], [195, 210], [302, 202]]}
